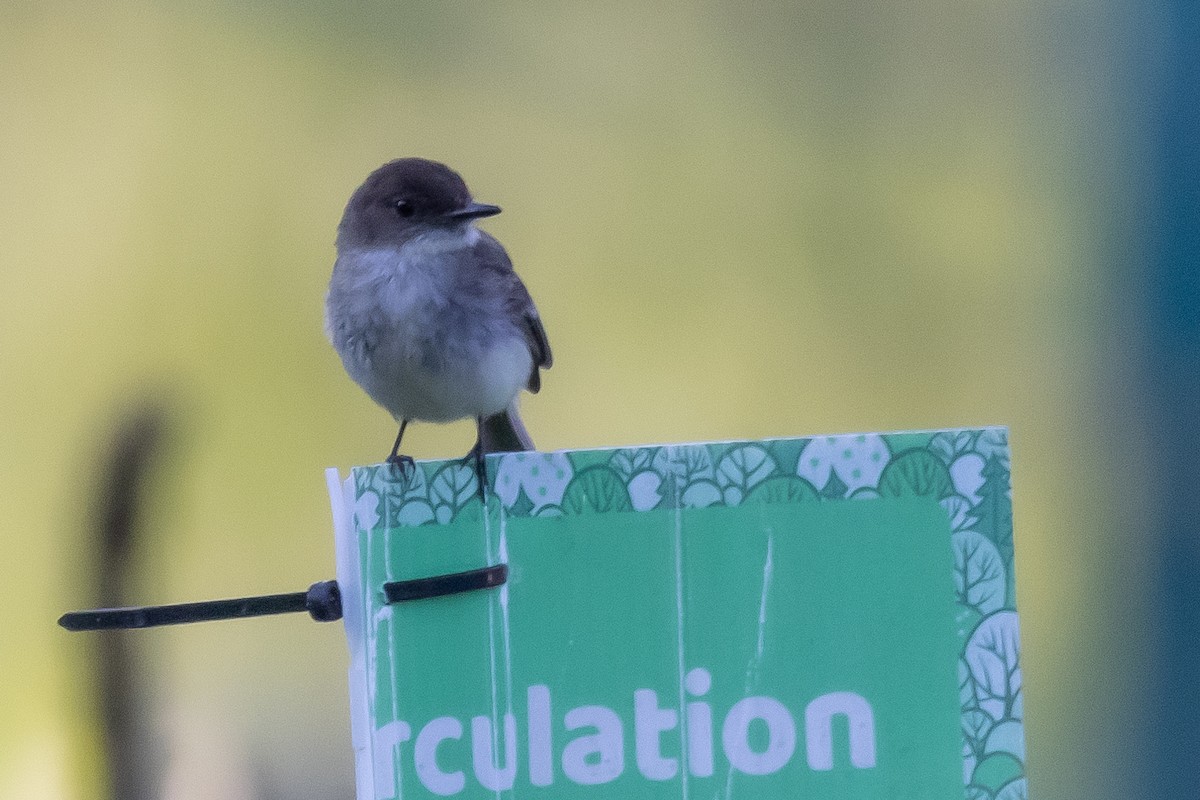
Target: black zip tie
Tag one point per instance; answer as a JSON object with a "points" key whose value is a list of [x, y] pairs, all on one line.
{"points": [[322, 601], [441, 585]]}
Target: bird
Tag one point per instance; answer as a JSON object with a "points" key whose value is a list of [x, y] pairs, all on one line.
{"points": [[426, 312]]}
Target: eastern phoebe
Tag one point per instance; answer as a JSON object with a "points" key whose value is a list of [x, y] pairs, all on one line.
{"points": [[426, 311]]}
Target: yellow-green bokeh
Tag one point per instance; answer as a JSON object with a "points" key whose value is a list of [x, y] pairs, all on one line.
{"points": [[737, 221]]}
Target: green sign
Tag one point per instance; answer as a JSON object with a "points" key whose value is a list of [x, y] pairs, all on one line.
{"points": [[827, 618]]}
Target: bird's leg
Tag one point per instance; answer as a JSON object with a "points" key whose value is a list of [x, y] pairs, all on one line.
{"points": [[476, 454], [404, 463]]}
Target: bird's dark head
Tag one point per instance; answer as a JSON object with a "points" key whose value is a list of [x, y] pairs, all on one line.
{"points": [[405, 198]]}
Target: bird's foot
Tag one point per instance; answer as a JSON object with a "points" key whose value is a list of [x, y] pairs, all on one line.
{"points": [[474, 458], [403, 464]]}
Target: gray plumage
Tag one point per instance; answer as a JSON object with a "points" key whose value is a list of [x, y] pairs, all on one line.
{"points": [[425, 310]]}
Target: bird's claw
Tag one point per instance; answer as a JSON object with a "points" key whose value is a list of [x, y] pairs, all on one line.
{"points": [[476, 460], [402, 463]]}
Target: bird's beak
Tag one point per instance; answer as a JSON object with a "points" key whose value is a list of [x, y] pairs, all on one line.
{"points": [[474, 211]]}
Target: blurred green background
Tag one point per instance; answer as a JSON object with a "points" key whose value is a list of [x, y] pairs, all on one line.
{"points": [[738, 221]]}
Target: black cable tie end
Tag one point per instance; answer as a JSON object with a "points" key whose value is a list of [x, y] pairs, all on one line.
{"points": [[442, 585]]}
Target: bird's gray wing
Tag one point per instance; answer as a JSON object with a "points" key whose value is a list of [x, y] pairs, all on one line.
{"points": [[491, 255]]}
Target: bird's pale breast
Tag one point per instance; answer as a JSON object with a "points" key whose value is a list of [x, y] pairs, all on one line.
{"points": [[414, 351]]}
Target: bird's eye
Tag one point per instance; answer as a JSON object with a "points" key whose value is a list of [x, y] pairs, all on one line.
{"points": [[404, 208]]}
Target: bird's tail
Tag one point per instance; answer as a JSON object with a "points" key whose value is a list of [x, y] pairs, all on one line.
{"points": [[504, 432]]}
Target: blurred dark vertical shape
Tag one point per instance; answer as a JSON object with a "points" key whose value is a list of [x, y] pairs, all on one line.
{"points": [[1172, 399], [124, 470]]}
